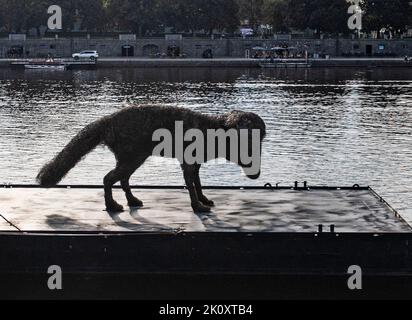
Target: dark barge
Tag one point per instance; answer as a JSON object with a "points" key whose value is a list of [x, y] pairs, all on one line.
{"points": [[258, 243]]}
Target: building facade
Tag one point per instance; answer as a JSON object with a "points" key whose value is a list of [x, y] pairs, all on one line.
{"points": [[195, 47]]}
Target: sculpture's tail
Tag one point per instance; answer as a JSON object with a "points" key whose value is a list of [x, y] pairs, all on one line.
{"points": [[84, 142]]}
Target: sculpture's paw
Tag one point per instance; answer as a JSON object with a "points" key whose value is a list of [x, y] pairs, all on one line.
{"points": [[135, 203], [114, 207], [208, 202], [200, 208]]}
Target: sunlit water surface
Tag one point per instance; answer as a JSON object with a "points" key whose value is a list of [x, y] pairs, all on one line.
{"points": [[325, 126]]}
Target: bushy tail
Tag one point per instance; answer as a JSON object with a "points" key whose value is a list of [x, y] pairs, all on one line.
{"points": [[84, 142]]}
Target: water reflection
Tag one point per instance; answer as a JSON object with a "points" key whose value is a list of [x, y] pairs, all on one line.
{"points": [[327, 126]]}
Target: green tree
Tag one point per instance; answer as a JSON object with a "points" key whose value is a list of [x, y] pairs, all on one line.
{"points": [[139, 16], [321, 15], [394, 14], [276, 14], [329, 16], [252, 11], [21, 15], [219, 15], [143, 16]]}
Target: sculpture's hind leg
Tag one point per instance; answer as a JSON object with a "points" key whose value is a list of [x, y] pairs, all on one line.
{"points": [[109, 180], [120, 173], [132, 201]]}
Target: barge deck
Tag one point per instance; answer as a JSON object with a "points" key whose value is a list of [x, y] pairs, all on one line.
{"points": [[256, 243]]}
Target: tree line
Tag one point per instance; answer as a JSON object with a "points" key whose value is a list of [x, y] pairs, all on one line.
{"points": [[146, 17]]}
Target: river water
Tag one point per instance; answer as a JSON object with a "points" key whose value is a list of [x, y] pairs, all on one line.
{"points": [[325, 126]]}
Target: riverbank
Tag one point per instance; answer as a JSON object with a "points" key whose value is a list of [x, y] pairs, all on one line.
{"points": [[113, 62]]}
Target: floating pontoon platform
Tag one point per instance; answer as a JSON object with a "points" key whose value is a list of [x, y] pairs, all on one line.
{"points": [[270, 210], [254, 243]]}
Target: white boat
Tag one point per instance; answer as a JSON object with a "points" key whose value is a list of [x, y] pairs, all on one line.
{"points": [[45, 66], [286, 65]]}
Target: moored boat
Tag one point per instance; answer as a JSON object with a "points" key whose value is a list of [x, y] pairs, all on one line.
{"points": [[287, 64], [44, 67]]}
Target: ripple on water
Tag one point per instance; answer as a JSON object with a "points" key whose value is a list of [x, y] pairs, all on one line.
{"points": [[336, 127]]}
